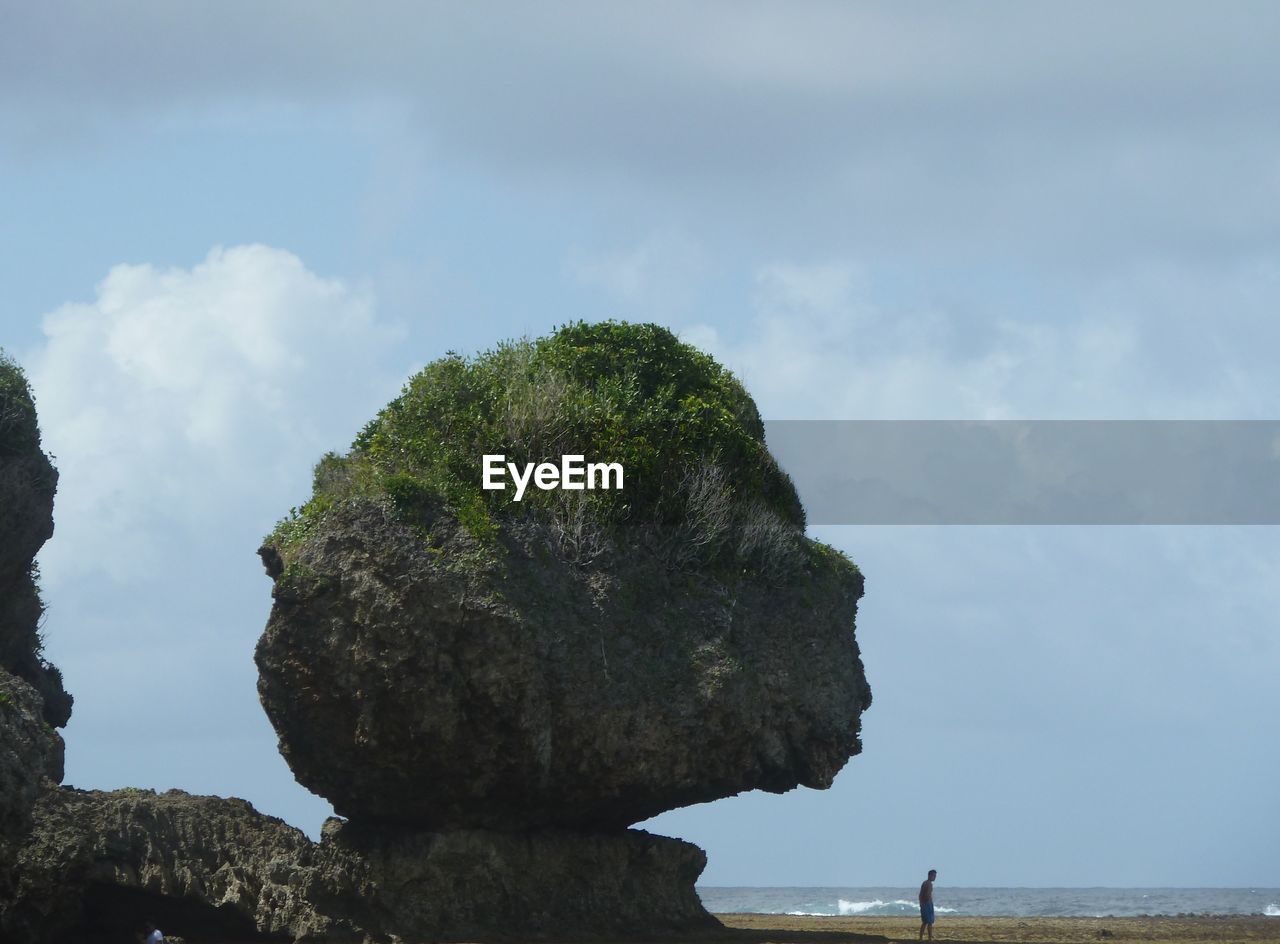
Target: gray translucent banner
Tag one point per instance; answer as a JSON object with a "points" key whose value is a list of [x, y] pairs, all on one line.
{"points": [[1033, 472]]}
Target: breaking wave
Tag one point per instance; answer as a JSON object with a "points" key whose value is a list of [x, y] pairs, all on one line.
{"points": [[878, 907]]}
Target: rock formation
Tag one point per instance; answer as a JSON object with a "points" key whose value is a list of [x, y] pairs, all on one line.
{"points": [[213, 869], [491, 692], [30, 753], [441, 660], [32, 700], [210, 869], [540, 884], [538, 694], [27, 484]]}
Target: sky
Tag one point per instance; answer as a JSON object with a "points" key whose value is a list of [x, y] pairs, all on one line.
{"points": [[229, 232]]}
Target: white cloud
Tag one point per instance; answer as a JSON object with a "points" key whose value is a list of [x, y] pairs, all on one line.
{"points": [[185, 409], [819, 347], [658, 276], [179, 399], [1042, 133], [1155, 342]]}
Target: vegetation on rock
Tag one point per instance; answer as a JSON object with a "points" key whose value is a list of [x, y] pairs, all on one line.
{"points": [[580, 659], [19, 431], [701, 485]]}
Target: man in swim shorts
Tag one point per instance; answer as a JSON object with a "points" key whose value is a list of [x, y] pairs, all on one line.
{"points": [[926, 904]]}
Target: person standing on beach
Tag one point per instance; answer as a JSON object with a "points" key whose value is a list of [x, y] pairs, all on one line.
{"points": [[926, 904]]}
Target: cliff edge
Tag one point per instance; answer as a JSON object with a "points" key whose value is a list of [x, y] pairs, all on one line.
{"points": [[32, 700]]}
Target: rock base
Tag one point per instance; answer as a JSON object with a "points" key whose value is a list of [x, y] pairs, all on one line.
{"points": [[481, 885], [97, 865], [207, 869]]}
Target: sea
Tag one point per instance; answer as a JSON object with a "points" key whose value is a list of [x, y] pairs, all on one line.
{"points": [[996, 902]]}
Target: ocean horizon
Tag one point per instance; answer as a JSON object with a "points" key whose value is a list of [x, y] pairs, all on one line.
{"points": [[1026, 902]]}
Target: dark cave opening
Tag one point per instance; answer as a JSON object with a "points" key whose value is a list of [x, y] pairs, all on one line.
{"points": [[112, 914]]}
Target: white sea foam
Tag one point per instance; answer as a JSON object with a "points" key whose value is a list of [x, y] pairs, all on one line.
{"points": [[879, 907], [862, 907], [1272, 911], [858, 907]]}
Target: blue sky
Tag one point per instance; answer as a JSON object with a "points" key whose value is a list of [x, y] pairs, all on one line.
{"points": [[229, 233]]}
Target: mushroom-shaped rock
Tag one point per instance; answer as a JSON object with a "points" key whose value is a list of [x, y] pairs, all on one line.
{"points": [[441, 656]]}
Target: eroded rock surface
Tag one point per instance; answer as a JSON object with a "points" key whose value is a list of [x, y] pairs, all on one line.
{"points": [[32, 699], [443, 656], [211, 869], [30, 753], [27, 484], [205, 868], [533, 693], [481, 885], [490, 693]]}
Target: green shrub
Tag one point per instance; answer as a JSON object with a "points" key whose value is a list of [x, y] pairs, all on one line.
{"points": [[686, 432], [19, 431]]}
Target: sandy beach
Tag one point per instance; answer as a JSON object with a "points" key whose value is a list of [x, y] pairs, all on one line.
{"points": [[785, 929]]}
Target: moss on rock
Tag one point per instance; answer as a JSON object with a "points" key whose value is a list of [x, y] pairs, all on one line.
{"points": [[699, 477]]}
